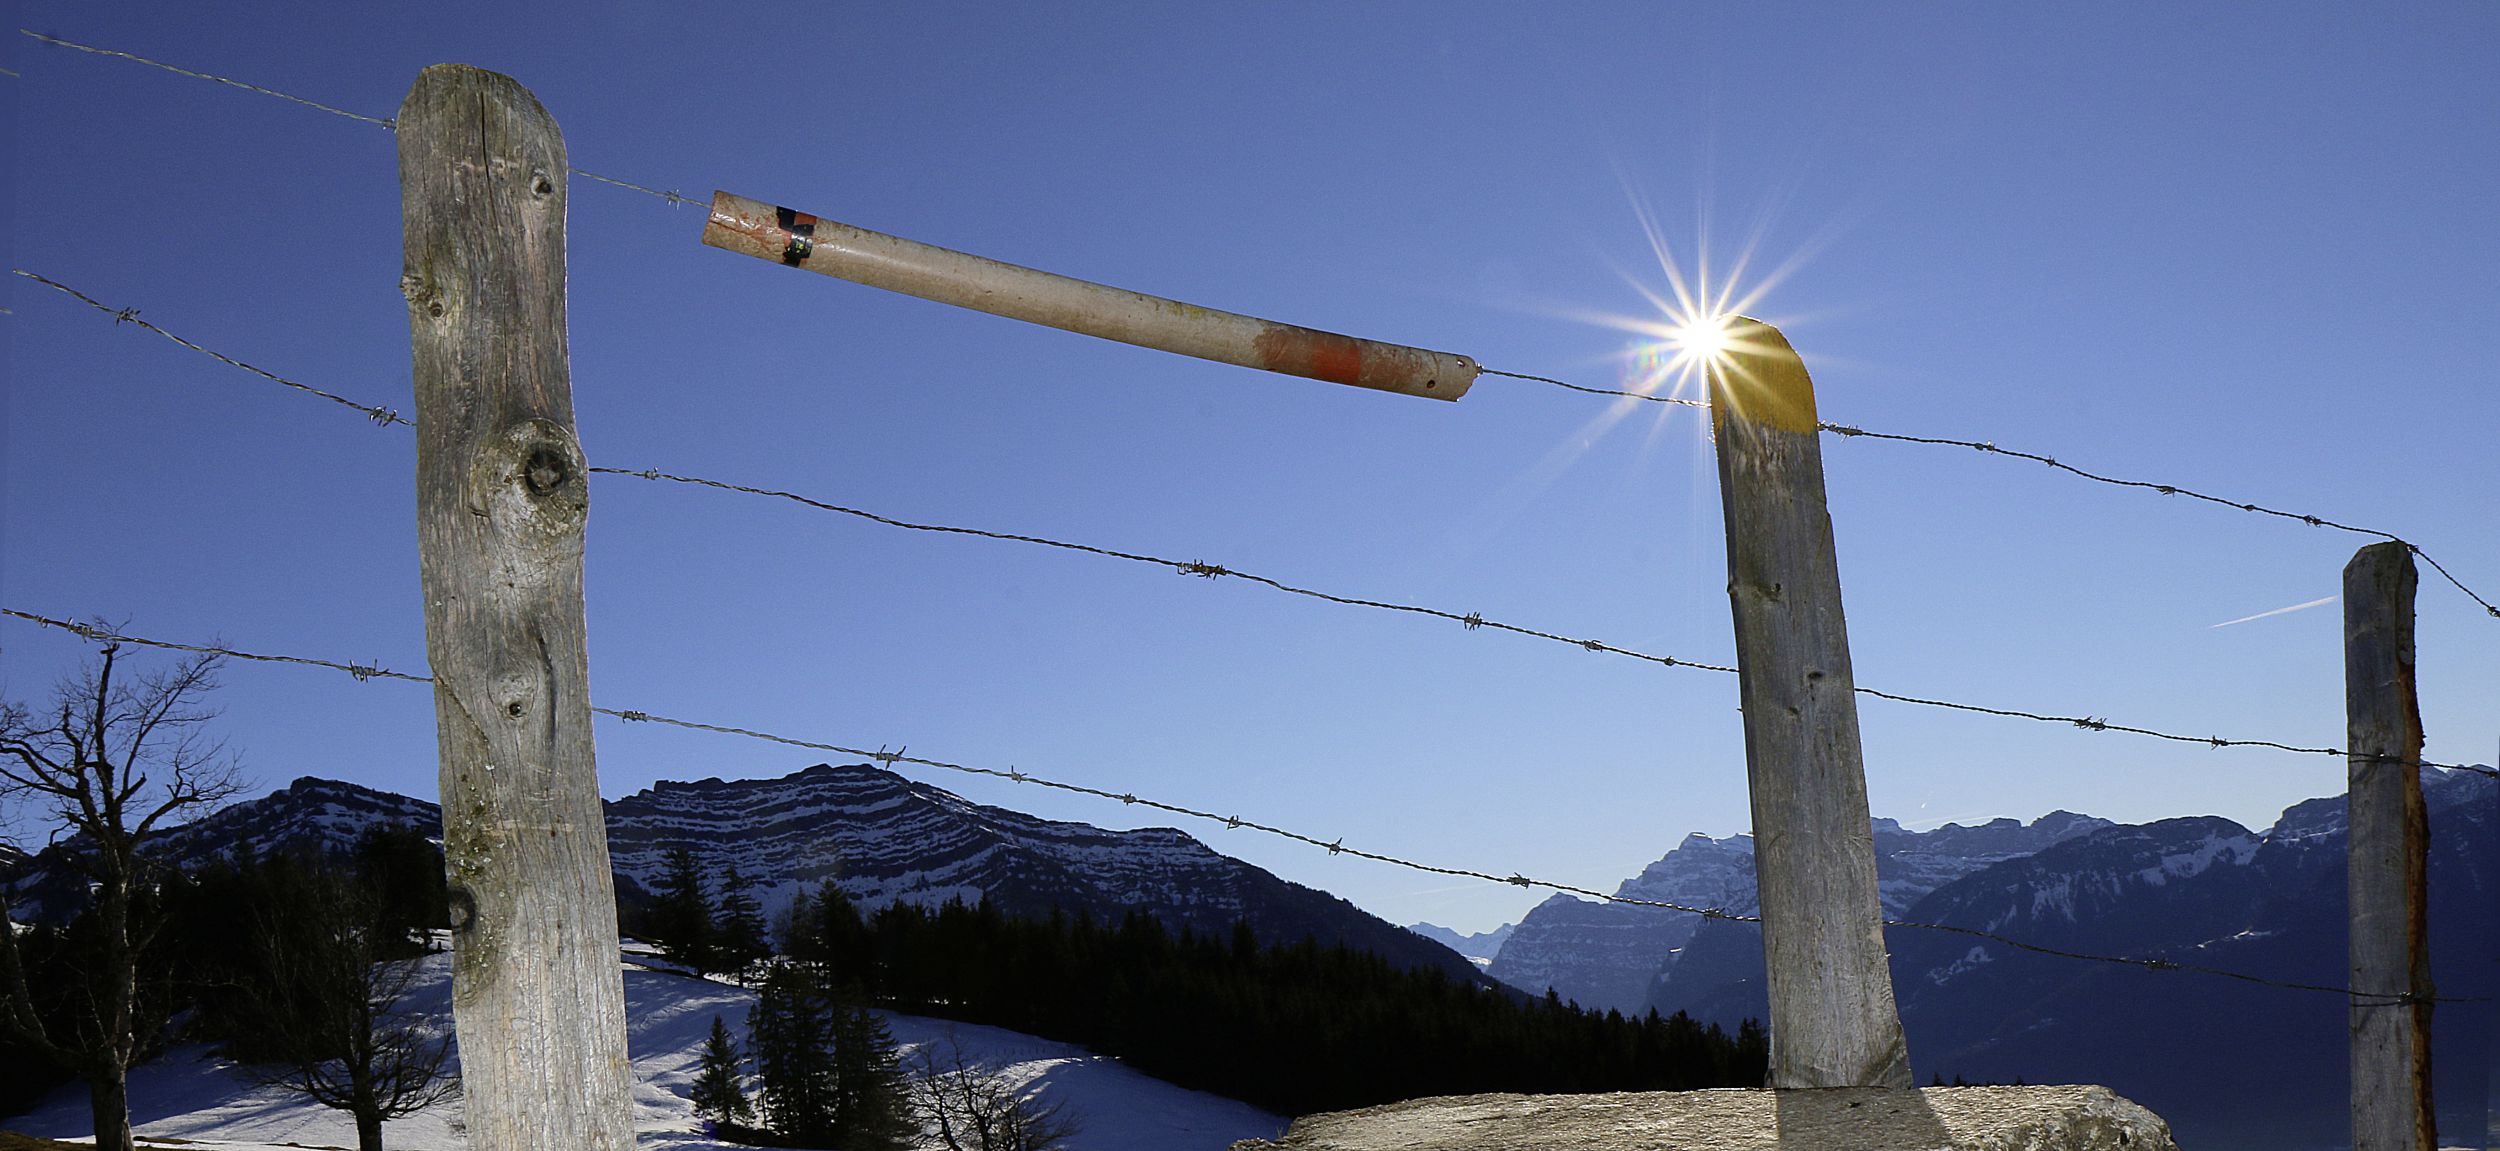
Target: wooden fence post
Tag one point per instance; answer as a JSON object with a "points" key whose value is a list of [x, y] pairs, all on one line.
{"points": [[1833, 1021], [2387, 879], [537, 993]]}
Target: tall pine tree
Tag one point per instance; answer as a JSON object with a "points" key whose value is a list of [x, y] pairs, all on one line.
{"points": [[681, 915], [740, 941], [826, 934], [871, 1104], [790, 1034]]}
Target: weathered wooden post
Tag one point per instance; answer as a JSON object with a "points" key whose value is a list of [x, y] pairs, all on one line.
{"points": [[537, 994], [2388, 876], [1833, 1021]]}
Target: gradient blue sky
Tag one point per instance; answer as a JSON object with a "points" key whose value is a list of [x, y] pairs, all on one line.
{"points": [[2243, 248]]}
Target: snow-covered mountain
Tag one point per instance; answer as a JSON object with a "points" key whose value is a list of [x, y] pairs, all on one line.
{"points": [[884, 838], [2230, 1063], [311, 813], [1479, 948], [877, 835], [1607, 955], [192, 1097]]}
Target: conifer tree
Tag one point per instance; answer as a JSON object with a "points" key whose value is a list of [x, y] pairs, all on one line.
{"points": [[871, 1105], [720, 1093], [790, 1036], [826, 934], [740, 941], [829, 1072], [681, 916]]}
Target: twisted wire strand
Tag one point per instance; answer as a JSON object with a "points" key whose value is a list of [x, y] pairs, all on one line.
{"points": [[387, 124], [1336, 846]]}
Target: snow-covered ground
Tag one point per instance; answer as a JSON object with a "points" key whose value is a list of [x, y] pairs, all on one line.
{"points": [[192, 1095]]}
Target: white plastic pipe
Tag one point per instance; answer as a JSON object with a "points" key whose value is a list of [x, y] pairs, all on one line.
{"points": [[950, 277]]}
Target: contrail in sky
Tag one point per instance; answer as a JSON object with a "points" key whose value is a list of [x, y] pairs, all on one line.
{"points": [[2281, 610]]}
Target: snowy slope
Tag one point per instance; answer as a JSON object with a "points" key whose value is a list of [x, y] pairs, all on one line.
{"points": [[192, 1095]]}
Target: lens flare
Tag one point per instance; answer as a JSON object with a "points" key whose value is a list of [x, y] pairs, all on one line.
{"points": [[1701, 340]]}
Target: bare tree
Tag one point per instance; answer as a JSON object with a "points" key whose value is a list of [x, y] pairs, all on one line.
{"points": [[110, 764], [327, 1006], [972, 1109]]}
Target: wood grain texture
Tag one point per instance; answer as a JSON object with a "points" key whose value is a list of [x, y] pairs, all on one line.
{"points": [[537, 994], [2386, 879], [1833, 1019]]}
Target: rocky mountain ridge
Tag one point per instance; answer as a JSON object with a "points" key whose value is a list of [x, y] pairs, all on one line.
{"points": [[1606, 955], [878, 836], [1479, 948]]}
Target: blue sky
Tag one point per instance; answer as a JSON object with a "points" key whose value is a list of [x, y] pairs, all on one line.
{"points": [[2240, 248]]}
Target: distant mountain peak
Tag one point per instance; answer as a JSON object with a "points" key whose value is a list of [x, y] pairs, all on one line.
{"points": [[1608, 955]]}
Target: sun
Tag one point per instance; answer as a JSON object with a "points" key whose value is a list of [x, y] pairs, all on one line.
{"points": [[1700, 339]]}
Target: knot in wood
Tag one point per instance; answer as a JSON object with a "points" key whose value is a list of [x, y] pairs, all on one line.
{"points": [[421, 294], [547, 470], [527, 479]]}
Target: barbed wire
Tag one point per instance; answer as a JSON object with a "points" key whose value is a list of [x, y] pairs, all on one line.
{"points": [[226, 80], [674, 199], [95, 629], [1652, 397], [2173, 490], [388, 124], [378, 414], [1472, 621], [1336, 846], [1476, 620], [1851, 431]]}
